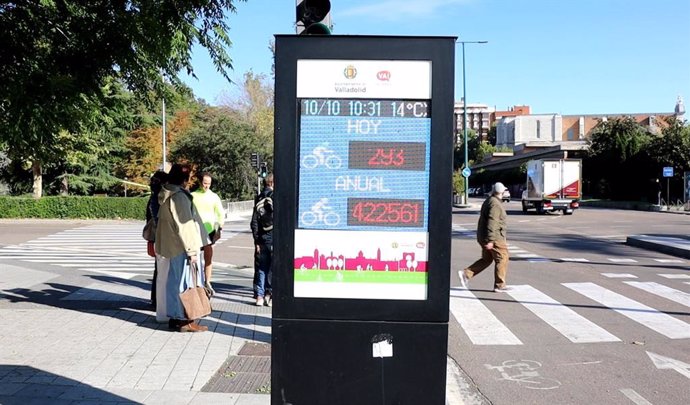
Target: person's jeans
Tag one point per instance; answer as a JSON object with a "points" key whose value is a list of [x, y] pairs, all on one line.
{"points": [[262, 271]]}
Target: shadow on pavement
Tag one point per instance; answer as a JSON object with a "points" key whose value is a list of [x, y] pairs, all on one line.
{"points": [[24, 385]]}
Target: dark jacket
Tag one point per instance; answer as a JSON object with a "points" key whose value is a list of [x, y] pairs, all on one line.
{"points": [[492, 221], [261, 236]]}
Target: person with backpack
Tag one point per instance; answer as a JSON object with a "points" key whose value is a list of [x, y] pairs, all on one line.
{"points": [[262, 231]]}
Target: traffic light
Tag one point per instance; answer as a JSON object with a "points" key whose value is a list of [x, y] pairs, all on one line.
{"points": [[313, 17], [263, 172], [255, 160]]}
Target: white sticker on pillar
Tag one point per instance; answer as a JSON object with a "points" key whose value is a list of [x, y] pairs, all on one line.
{"points": [[382, 345]]}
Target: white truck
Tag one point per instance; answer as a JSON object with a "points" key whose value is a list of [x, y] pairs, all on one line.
{"points": [[553, 185]]}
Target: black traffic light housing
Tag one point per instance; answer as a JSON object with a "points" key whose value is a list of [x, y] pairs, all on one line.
{"points": [[263, 172], [311, 15], [255, 160]]}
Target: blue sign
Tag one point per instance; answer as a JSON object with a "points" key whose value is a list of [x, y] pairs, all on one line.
{"points": [[668, 171], [466, 172], [364, 164]]}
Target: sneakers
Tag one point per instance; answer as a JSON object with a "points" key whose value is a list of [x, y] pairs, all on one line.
{"points": [[260, 302], [463, 279], [502, 289], [269, 300]]}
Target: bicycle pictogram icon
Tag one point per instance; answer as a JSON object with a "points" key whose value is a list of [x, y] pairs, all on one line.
{"points": [[321, 213], [322, 156]]}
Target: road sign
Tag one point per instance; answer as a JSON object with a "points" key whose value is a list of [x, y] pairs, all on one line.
{"points": [[466, 172], [668, 171]]}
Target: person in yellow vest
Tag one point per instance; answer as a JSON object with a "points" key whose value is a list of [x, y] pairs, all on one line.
{"points": [[210, 208]]}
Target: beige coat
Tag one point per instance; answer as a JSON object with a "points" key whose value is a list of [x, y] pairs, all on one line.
{"points": [[180, 227]]}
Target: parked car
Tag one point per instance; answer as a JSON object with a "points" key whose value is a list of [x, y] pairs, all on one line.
{"points": [[506, 196]]}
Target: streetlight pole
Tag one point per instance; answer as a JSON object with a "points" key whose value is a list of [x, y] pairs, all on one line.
{"points": [[464, 111], [164, 138]]}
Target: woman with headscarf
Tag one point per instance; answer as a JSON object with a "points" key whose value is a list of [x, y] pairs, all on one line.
{"points": [[180, 234]]}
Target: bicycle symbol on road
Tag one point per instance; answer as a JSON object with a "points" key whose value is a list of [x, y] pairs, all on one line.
{"points": [[321, 212], [322, 156], [524, 372]]}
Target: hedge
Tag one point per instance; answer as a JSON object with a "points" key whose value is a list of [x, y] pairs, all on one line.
{"points": [[74, 207]]}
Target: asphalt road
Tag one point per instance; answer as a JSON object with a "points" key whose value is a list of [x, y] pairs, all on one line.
{"points": [[590, 319]]}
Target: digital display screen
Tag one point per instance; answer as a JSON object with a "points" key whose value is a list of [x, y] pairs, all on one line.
{"points": [[326, 107], [363, 179], [387, 155], [385, 212], [363, 149]]}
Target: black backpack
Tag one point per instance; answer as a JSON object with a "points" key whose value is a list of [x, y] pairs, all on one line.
{"points": [[264, 211]]}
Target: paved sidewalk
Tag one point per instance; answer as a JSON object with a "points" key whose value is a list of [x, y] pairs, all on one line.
{"points": [[68, 342], [82, 339], [673, 245]]}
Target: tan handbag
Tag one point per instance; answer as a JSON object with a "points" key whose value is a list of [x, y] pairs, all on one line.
{"points": [[194, 300]]}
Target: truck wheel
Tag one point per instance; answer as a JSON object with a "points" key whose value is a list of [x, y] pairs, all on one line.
{"points": [[540, 209], [524, 207]]}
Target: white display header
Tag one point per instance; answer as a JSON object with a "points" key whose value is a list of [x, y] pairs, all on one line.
{"points": [[406, 79]]}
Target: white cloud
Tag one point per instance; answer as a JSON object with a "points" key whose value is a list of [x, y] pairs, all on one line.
{"points": [[401, 9]]}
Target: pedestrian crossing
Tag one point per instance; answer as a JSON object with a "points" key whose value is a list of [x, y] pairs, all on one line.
{"points": [[518, 253], [115, 250], [483, 327]]}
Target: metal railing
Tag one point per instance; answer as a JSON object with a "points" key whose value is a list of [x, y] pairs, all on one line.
{"points": [[678, 205]]}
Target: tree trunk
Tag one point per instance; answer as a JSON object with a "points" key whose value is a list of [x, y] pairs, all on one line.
{"points": [[37, 171], [64, 185]]}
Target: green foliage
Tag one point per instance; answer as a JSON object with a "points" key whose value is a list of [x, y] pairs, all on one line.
{"points": [[458, 182], [618, 165], [221, 145], [59, 57], [459, 152], [672, 148], [484, 149], [73, 207]]}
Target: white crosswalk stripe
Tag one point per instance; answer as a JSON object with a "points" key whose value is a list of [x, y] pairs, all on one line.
{"points": [[115, 250], [483, 327], [638, 312], [569, 323], [663, 291]]}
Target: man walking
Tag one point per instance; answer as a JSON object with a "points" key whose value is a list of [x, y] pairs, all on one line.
{"points": [[491, 236], [262, 230]]}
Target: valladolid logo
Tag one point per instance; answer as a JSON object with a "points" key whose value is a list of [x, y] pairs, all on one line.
{"points": [[350, 72]]}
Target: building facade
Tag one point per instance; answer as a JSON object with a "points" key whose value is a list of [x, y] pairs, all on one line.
{"points": [[570, 132], [478, 118]]}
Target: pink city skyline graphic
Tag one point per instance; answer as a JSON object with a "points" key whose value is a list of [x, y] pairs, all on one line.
{"points": [[407, 263]]}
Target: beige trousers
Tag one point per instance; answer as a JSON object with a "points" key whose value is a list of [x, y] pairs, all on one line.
{"points": [[498, 255]]}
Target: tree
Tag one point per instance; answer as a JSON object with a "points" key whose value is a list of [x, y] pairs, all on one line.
{"points": [[57, 55], [221, 144], [672, 148], [254, 106], [617, 163]]}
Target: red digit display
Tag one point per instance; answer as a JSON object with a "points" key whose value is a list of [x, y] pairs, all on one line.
{"points": [[387, 155], [385, 212]]}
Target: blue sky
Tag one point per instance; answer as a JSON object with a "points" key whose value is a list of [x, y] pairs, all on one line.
{"points": [[558, 56]]}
